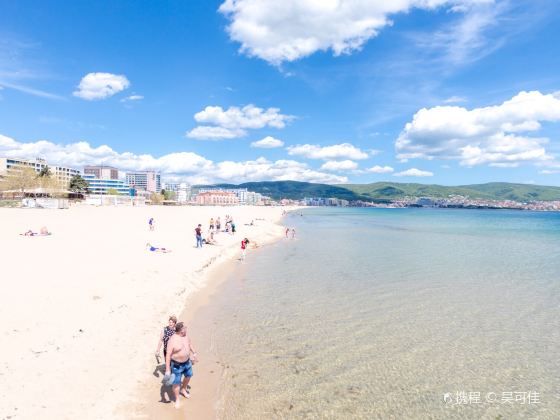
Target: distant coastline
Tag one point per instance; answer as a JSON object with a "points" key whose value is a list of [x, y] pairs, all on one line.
{"points": [[495, 195]]}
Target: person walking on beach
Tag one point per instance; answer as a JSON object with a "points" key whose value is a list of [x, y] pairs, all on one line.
{"points": [[293, 233], [244, 244], [211, 227], [180, 358], [232, 227], [151, 223], [198, 234], [287, 231], [165, 335], [218, 225]]}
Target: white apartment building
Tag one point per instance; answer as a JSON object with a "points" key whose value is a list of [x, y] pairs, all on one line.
{"points": [[61, 173], [144, 180]]}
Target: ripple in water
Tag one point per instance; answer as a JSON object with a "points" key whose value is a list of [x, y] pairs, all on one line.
{"points": [[399, 314]]}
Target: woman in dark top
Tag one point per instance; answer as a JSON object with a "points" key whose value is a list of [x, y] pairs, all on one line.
{"points": [[167, 332]]}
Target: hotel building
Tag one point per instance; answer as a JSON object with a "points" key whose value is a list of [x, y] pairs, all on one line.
{"points": [[217, 198], [102, 172], [144, 181], [61, 173], [97, 186], [243, 195]]}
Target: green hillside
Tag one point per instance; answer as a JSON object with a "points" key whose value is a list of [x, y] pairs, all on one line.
{"points": [[490, 191], [388, 191]]}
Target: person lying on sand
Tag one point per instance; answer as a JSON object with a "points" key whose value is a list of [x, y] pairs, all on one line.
{"points": [[43, 232], [156, 249]]}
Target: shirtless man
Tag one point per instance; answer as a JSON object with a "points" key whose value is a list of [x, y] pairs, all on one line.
{"points": [[179, 361]]}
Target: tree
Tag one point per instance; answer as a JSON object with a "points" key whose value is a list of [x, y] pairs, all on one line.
{"points": [[45, 172], [20, 179], [112, 191], [169, 195], [156, 198], [78, 184]]}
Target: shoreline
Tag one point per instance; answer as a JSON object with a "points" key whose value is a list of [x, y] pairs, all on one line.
{"points": [[206, 382], [86, 313]]}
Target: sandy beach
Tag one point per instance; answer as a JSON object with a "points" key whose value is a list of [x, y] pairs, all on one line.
{"points": [[81, 310]]}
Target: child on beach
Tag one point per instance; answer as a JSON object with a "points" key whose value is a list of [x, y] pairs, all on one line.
{"points": [[151, 223], [244, 244]]}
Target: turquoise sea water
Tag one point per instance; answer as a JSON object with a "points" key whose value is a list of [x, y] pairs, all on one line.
{"points": [[396, 313]]}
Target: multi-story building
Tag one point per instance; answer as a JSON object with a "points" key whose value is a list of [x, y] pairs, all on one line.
{"points": [[184, 193], [97, 186], [240, 193], [144, 180], [216, 198], [102, 171], [62, 173], [181, 189]]}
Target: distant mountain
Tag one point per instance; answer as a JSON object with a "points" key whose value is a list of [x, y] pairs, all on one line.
{"points": [[388, 191], [489, 191]]}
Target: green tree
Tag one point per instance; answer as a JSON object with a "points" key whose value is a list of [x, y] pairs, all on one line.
{"points": [[169, 195], [78, 184], [112, 191], [45, 172]]}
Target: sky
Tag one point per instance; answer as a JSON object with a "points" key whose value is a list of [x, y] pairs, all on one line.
{"points": [[446, 92]]}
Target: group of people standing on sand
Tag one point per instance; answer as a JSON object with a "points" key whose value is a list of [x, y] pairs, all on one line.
{"points": [[179, 356], [214, 228]]}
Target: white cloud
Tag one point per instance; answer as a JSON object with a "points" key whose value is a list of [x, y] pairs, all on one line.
{"points": [[464, 40], [186, 165], [454, 100], [268, 142], [380, 169], [489, 135], [337, 151], [289, 30], [204, 132], [132, 98], [414, 172], [235, 121], [339, 165], [281, 170], [95, 86], [549, 171]]}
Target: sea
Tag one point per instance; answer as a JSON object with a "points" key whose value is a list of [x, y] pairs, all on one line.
{"points": [[395, 314]]}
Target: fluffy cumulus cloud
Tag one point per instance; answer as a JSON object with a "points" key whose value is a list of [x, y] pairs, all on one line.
{"points": [[495, 135], [234, 121], [337, 151], [268, 142], [291, 29], [380, 169], [185, 165], [339, 165], [414, 172], [281, 170], [95, 86]]}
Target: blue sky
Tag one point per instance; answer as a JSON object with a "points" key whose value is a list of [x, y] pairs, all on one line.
{"points": [[431, 91]]}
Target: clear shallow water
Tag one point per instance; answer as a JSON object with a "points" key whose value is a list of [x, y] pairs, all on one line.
{"points": [[379, 313]]}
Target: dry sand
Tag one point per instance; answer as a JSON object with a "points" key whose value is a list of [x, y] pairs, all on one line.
{"points": [[81, 310]]}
